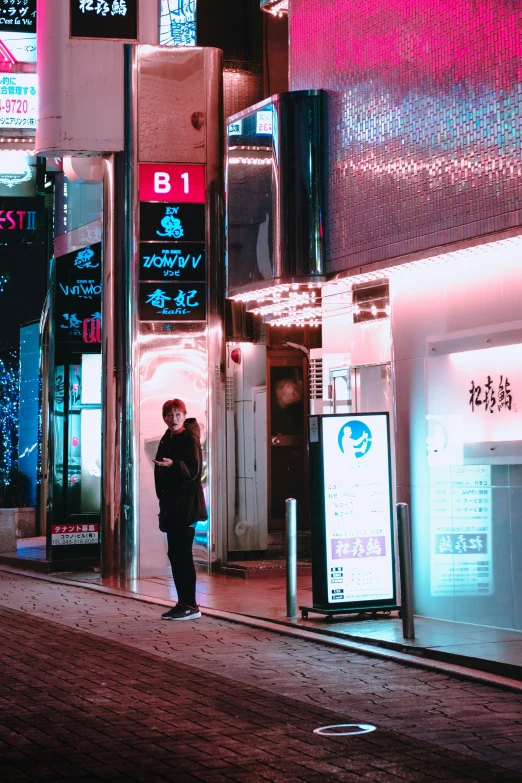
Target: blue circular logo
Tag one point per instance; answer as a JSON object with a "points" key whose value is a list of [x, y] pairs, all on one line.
{"points": [[356, 437]]}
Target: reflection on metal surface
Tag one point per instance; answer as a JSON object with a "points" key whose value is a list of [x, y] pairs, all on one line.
{"points": [[275, 207], [172, 363], [183, 360]]}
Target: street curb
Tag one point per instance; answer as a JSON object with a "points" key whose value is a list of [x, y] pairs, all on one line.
{"points": [[301, 633]]}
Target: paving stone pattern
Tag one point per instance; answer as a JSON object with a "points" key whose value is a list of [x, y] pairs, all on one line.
{"points": [[138, 699]]}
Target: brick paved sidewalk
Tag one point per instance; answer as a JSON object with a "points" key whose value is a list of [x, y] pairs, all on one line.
{"points": [[77, 707], [484, 722]]}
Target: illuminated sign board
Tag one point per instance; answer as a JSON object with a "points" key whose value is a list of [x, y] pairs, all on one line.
{"points": [[235, 128], [78, 298], [22, 220], [174, 222], [18, 100], [264, 122], [172, 301], [172, 250], [18, 16], [104, 19], [172, 261], [351, 511], [17, 173], [172, 183], [461, 556], [178, 23]]}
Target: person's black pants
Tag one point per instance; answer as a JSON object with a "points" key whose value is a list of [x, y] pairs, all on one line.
{"points": [[183, 570]]}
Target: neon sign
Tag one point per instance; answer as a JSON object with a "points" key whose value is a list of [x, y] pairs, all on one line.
{"points": [[172, 183], [18, 16], [178, 23]]}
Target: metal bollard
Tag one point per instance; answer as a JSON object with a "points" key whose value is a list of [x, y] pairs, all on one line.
{"points": [[405, 561], [291, 557]]}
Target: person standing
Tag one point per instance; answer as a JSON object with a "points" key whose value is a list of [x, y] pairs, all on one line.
{"points": [[177, 476]]}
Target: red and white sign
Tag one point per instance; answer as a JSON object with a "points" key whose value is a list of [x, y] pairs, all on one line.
{"points": [[63, 535], [172, 182]]}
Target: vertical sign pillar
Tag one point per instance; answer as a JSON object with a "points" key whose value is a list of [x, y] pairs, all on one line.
{"points": [[170, 297]]}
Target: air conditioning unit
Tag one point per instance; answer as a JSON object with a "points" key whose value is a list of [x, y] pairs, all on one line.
{"points": [[316, 380]]}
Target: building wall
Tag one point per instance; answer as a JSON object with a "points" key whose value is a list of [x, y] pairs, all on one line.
{"points": [[424, 110], [455, 324]]}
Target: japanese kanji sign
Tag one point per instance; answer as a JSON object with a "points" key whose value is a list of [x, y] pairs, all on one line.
{"points": [[18, 100], [64, 535], [104, 19], [172, 302]]}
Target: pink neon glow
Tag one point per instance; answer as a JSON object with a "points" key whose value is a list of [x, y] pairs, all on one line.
{"points": [[7, 59], [172, 182], [441, 38], [424, 106]]}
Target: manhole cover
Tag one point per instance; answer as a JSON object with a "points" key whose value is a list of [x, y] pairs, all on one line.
{"points": [[345, 729]]}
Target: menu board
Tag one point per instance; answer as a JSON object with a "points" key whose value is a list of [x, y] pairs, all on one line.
{"points": [[461, 536], [354, 551]]}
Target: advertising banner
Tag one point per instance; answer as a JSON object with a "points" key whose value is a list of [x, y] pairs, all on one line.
{"points": [[352, 522], [18, 100]]}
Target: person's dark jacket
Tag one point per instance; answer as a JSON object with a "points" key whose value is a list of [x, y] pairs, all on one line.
{"points": [[178, 487]]}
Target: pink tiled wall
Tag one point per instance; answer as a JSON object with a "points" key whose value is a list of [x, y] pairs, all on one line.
{"points": [[241, 88], [424, 119]]}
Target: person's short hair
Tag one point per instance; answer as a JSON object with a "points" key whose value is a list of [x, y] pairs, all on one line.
{"points": [[175, 403]]}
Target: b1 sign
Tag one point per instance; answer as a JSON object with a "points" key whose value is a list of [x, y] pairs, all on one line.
{"points": [[172, 182], [352, 550]]}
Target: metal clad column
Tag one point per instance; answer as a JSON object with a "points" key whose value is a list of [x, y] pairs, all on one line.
{"points": [[119, 551]]}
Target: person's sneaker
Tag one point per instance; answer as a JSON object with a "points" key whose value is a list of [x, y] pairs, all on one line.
{"points": [[180, 612]]}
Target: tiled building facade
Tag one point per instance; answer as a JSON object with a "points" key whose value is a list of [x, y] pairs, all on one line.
{"points": [[424, 110]]}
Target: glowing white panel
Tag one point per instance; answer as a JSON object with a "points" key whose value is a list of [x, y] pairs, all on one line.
{"points": [[461, 541], [173, 363], [483, 389], [91, 379], [91, 460], [357, 490]]}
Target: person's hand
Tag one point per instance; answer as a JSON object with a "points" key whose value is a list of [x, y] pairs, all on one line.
{"points": [[163, 463]]}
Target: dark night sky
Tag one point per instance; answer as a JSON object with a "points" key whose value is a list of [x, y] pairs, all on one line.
{"points": [[23, 296]]}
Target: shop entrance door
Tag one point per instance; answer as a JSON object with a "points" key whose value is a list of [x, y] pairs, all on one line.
{"points": [[287, 382], [371, 388], [260, 466]]}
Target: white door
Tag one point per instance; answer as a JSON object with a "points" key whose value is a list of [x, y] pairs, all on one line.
{"points": [[372, 389], [260, 467]]}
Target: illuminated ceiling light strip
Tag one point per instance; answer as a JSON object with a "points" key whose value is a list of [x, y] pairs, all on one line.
{"points": [[344, 285], [250, 161], [274, 293]]}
